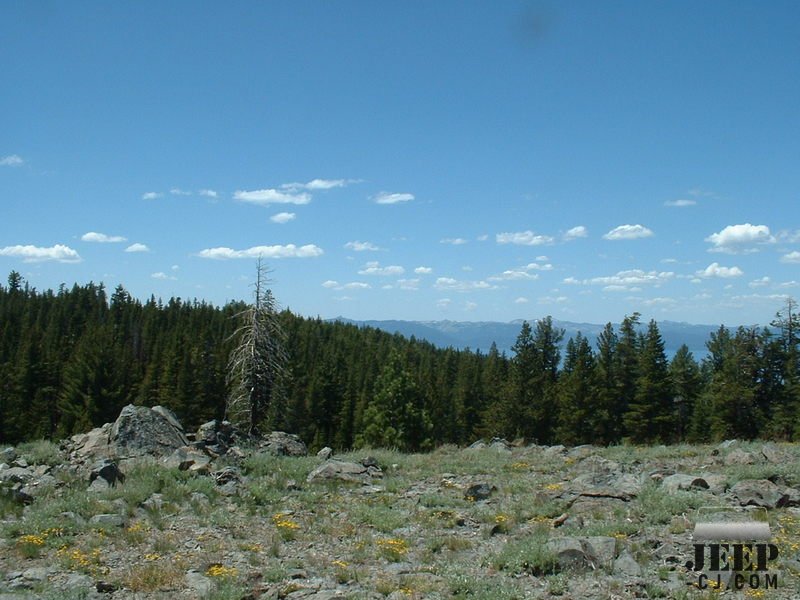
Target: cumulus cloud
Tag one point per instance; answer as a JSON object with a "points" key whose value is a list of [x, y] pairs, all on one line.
{"points": [[469, 305], [443, 303], [137, 247], [521, 300], [576, 232], [628, 232], [208, 193], [277, 251], [792, 257], [102, 238], [353, 285], [483, 237], [179, 192], [680, 203], [271, 196], [715, 270], [631, 277], [523, 238], [763, 282], [282, 217], [30, 254], [318, 184], [453, 241], [408, 284], [553, 300], [361, 246], [374, 268], [514, 275], [163, 276], [12, 160], [538, 267], [151, 195], [392, 198], [740, 239], [448, 283], [423, 270]]}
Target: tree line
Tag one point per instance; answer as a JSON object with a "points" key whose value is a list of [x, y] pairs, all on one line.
{"points": [[70, 359]]}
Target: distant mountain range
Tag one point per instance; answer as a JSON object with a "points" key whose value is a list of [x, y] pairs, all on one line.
{"points": [[480, 335]]}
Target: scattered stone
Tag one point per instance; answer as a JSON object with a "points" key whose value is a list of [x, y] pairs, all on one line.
{"points": [[284, 444], [107, 520], [154, 503], [477, 445], [338, 469], [142, 431], [325, 453], [570, 554], [105, 587], [291, 485], [227, 480], [759, 492], [479, 491], [740, 457], [188, 459], [107, 470], [370, 461], [626, 566], [198, 583], [87, 446], [16, 475], [772, 454], [8, 455], [679, 481]]}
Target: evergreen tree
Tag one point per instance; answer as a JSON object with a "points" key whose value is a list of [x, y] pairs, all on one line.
{"points": [[577, 394], [687, 385]]}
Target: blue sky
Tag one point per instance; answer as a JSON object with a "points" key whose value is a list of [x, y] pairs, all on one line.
{"points": [[415, 160]]}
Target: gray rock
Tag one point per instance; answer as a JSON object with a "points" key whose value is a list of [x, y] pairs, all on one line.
{"points": [[740, 457], [479, 491], [772, 454], [570, 554], [477, 445], [198, 583], [140, 431], [107, 520], [107, 470], [284, 444], [679, 481], [98, 485], [188, 459], [338, 469], [602, 548], [8, 455], [16, 475], [154, 503], [325, 453], [626, 566], [92, 445], [759, 492]]}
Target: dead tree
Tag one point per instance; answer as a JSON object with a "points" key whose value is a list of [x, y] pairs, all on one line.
{"points": [[257, 365]]}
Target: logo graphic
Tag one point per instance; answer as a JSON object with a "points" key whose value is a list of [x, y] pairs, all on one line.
{"points": [[732, 549]]}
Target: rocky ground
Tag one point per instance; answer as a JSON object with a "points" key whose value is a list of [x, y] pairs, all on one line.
{"points": [[141, 509]]}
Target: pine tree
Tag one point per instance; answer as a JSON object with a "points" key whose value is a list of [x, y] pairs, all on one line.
{"points": [[577, 393], [687, 385]]}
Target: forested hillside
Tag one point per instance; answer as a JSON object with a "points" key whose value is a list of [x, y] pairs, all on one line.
{"points": [[71, 359]]}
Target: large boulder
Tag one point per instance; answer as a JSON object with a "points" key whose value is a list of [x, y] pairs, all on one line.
{"points": [[284, 444], [141, 431], [338, 469], [759, 492]]}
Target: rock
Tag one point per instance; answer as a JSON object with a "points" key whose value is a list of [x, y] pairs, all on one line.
{"points": [[284, 444], [740, 457], [228, 481], [626, 566], [35, 488], [759, 492], [325, 453], [477, 445], [602, 549], [217, 436], [291, 485], [610, 484], [107, 470], [570, 554], [479, 491], [107, 520], [8, 455], [16, 475], [92, 445], [338, 469], [679, 481], [154, 503], [140, 431], [500, 445], [772, 454], [98, 485], [198, 583], [188, 459], [370, 461]]}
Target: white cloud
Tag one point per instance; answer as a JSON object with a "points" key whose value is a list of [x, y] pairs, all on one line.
{"points": [[282, 217], [763, 282], [715, 270], [392, 198], [373, 268], [453, 241], [330, 284], [470, 306], [792, 257], [137, 247], [444, 303], [12, 160], [572, 281], [538, 267], [287, 251], [553, 300], [318, 184], [179, 192], [621, 288], [102, 238], [628, 232], [661, 301], [163, 276], [483, 238], [408, 284], [151, 195], [175, 268], [208, 193], [680, 203], [542, 258], [629, 278], [789, 284], [523, 238], [361, 246], [29, 253], [356, 285], [514, 275], [576, 232], [789, 237], [521, 300], [271, 196], [423, 270], [740, 239], [448, 283]]}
